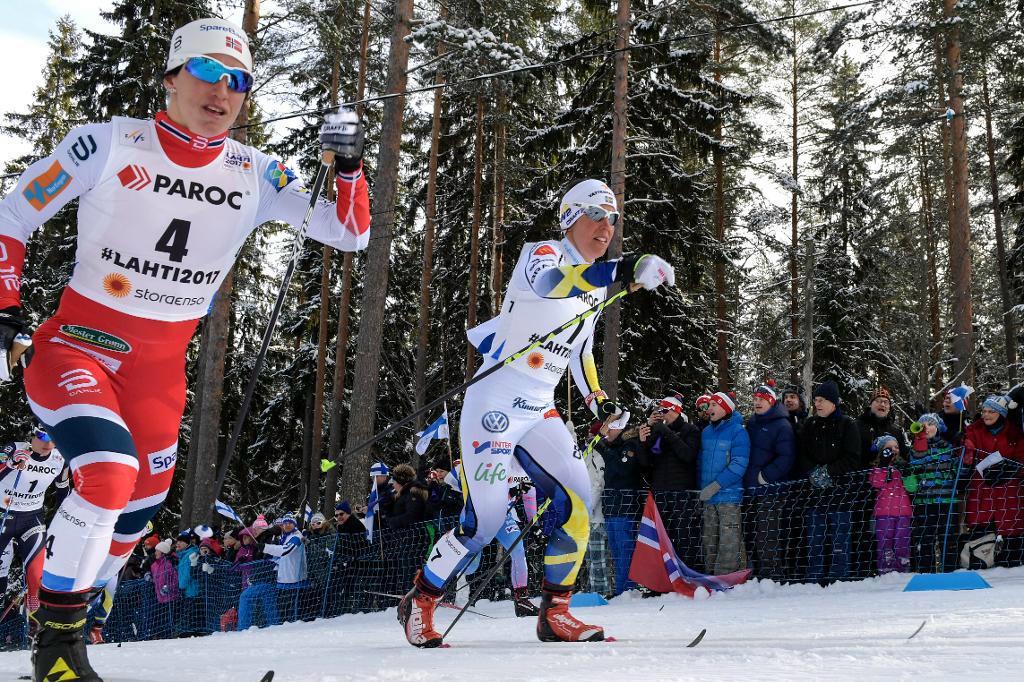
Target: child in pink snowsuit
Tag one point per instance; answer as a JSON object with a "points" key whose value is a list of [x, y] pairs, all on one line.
{"points": [[893, 510]]}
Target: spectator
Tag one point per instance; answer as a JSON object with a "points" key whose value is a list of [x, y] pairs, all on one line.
{"points": [[410, 505], [933, 472], [256, 590], [164, 573], [191, 621], [702, 411], [955, 420], [829, 448], [231, 545], [346, 521], [385, 493], [793, 399], [893, 510], [668, 450], [724, 452], [319, 527], [877, 421], [994, 497], [621, 502], [291, 565], [772, 452], [443, 500]]}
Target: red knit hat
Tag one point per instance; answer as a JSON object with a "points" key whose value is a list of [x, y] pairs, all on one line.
{"points": [[151, 542], [671, 403], [767, 392], [703, 401], [723, 400]]}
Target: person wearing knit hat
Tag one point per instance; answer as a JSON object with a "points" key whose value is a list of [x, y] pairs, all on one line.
{"points": [[151, 542], [319, 527], [828, 448], [724, 453], [163, 546], [892, 509], [701, 404], [877, 420], [793, 398], [931, 477], [1000, 404], [772, 453], [346, 521]]}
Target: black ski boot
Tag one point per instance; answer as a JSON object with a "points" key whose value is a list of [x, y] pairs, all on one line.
{"points": [[58, 650], [524, 607]]}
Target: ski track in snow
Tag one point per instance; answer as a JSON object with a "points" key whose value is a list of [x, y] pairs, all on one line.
{"points": [[758, 631]]}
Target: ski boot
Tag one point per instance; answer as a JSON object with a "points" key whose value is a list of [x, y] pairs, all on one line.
{"points": [[524, 607], [416, 614], [58, 649], [556, 624]]}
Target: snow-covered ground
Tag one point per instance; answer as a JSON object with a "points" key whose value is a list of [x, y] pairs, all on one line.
{"points": [[761, 631]]}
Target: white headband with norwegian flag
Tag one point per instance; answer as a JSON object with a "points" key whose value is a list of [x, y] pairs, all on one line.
{"points": [[208, 37]]}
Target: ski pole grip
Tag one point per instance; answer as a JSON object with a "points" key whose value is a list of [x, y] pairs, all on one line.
{"points": [[327, 158]]}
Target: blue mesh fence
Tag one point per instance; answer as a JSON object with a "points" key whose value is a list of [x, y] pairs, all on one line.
{"points": [[789, 532]]}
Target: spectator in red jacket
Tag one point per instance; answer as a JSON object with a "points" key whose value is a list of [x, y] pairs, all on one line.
{"points": [[994, 497]]}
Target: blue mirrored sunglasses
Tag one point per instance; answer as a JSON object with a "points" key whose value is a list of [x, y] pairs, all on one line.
{"points": [[41, 435], [209, 70], [599, 213]]}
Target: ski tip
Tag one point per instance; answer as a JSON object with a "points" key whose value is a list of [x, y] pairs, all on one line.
{"points": [[919, 628], [610, 639], [269, 677], [444, 645], [697, 640]]}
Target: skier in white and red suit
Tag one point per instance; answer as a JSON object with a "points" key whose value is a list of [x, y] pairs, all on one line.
{"points": [[510, 414], [165, 206]]}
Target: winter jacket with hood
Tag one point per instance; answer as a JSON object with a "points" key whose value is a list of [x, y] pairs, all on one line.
{"points": [[187, 581], [772, 446], [410, 505], [165, 579], [832, 442], [724, 453], [669, 455], [1000, 504], [871, 427]]}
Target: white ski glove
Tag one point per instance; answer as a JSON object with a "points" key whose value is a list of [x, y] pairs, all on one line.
{"points": [[648, 271], [193, 560]]}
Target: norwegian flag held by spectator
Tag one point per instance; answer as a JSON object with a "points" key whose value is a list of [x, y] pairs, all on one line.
{"points": [[657, 566]]}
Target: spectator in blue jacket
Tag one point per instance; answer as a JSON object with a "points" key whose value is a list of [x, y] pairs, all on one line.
{"points": [[724, 451], [772, 451], [291, 566], [191, 620]]}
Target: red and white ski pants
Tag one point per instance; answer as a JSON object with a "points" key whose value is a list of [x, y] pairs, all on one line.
{"points": [[110, 389]]}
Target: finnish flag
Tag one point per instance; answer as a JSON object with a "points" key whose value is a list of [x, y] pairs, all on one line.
{"points": [[438, 430], [226, 510]]}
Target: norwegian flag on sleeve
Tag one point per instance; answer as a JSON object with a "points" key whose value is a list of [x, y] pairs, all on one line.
{"points": [[657, 566]]}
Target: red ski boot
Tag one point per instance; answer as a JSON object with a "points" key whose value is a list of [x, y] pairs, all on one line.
{"points": [[416, 614], [556, 624]]}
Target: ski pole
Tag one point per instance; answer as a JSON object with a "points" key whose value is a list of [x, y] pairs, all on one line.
{"points": [[501, 559], [593, 310], [7, 509], [326, 161]]}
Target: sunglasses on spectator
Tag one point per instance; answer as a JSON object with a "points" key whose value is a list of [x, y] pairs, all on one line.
{"points": [[599, 213], [209, 70]]}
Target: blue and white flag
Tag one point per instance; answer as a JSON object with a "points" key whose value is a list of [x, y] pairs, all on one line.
{"points": [[438, 430], [226, 510], [958, 396], [371, 511], [307, 515]]}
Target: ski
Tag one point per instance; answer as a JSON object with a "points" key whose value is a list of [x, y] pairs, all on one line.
{"points": [[440, 603], [919, 628], [268, 677]]}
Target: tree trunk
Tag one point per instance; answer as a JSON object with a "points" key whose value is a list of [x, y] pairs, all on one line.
{"points": [[934, 319], [474, 237], [419, 386], [197, 504], [344, 314], [498, 219], [1009, 326], [808, 320], [721, 313], [355, 482], [959, 224], [620, 120], [794, 289]]}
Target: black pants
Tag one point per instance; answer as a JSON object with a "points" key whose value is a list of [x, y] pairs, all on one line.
{"points": [[933, 546]]}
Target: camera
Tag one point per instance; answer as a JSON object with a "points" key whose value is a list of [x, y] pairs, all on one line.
{"points": [[886, 454]]}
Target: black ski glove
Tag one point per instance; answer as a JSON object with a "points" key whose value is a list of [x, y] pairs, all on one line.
{"points": [[608, 408], [343, 134]]}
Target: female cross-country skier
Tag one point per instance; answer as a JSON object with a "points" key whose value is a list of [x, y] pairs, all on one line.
{"points": [[510, 415], [165, 206]]}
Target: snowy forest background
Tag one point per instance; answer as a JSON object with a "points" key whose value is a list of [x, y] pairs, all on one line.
{"points": [[841, 192]]}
